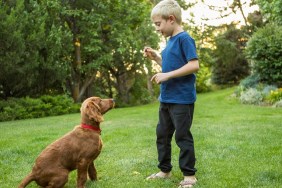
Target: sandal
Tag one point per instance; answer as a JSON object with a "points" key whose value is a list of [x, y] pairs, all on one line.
{"points": [[187, 183], [158, 176]]}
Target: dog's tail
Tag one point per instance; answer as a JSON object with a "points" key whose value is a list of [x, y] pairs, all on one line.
{"points": [[26, 181]]}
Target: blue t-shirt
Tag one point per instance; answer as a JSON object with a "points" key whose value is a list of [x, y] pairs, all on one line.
{"points": [[179, 50]]}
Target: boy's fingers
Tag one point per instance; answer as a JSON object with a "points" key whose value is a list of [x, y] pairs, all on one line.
{"points": [[153, 77], [146, 52], [146, 49]]}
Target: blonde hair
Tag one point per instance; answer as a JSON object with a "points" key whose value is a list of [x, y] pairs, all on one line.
{"points": [[166, 8]]}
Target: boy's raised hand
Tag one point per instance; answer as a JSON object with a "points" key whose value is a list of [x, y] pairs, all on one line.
{"points": [[150, 53], [153, 55]]}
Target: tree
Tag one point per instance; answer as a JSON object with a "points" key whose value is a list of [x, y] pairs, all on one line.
{"points": [[12, 49], [264, 47], [271, 10], [238, 4], [230, 65], [264, 52], [106, 46], [220, 48], [70, 44], [30, 53], [126, 46], [80, 17]]}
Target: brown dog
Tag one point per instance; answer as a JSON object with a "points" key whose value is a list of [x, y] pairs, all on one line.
{"points": [[76, 150]]}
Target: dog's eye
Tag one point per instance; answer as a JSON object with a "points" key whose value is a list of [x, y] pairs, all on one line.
{"points": [[100, 101]]}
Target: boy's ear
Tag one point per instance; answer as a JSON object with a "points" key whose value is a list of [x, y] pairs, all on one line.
{"points": [[171, 18]]}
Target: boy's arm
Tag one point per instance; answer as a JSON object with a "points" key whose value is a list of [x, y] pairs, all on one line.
{"points": [[189, 68], [158, 60], [152, 54]]}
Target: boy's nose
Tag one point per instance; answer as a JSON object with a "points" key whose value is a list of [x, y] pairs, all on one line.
{"points": [[158, 30]]}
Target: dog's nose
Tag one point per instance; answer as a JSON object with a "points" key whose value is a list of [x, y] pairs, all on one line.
{"points": [[113, 100]]}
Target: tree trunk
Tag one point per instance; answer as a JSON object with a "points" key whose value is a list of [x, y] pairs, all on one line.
{"points": [[124, 84], [85, 86], [149, 83], [76, 66]]}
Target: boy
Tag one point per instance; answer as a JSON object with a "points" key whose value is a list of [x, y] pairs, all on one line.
{"points": [[179, 62]]}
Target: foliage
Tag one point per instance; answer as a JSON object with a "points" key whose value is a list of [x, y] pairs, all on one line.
{"points": [[278, 104], [251, 96], [127, 46], [250, 82], [256, 21], [267, 90], [203, 79], [275, 96], [82, 48], [258, 93], [264, 49], [62, 47], [272, 10], [25, 108], [228, 137], [139, 93], [31, 48], [265, 54], [230, 64]]}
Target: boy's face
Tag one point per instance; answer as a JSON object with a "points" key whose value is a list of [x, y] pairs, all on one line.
{"points": [[163, 26]]}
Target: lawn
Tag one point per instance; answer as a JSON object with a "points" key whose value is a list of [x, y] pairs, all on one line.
{"points": [[236, 146]]}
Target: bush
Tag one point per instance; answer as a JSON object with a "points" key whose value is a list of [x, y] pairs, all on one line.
{"points": [[260, 94], [266, 91], [264, 49], [24, 108], [275, 96], [250, 82], [229, 64], [251, 96], [203, 80], [278, 104]]}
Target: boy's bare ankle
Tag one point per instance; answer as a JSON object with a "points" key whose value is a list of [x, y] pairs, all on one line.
{"points": [[191, 178], [164, 174]]}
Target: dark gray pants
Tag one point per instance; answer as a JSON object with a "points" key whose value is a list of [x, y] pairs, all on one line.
{"points": [[176, 118]]}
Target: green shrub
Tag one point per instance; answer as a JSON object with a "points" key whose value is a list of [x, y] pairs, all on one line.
{"points": [[203, 80], [275, 96], [264, 49], [268, 89], [278, 104], [260, 94], [251, 96], [250, 82], [229, 63], [24, 108]]}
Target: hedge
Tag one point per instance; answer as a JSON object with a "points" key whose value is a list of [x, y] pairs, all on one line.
{"points": [[24, 108]]}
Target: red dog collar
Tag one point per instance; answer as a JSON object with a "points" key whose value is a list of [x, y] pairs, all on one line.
{"points": [[97, 129]]}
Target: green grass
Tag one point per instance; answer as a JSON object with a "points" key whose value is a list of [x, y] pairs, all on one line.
{"points": [[236, 146]]}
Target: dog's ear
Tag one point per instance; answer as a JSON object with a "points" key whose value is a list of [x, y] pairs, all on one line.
{"points": [[94, 112]]}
